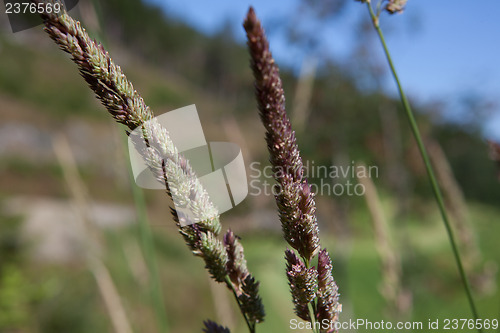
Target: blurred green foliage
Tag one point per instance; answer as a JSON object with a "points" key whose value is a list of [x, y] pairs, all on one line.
{"points": [[183, 67]]}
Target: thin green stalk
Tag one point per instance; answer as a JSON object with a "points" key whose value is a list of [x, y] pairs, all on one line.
{"points": [[148, 248], [428, 166], [147, 243], [251, 327], [311, 306]]}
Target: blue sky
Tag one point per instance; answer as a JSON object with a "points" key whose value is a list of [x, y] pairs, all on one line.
{"points": [[442, 49]]}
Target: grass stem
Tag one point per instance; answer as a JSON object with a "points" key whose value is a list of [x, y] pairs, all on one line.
{"points": [[311, 305], [428, 166], [251, 328], [148, 248]]}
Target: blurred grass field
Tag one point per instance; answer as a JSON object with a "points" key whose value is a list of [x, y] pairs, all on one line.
{"points": [[57, 298], [42, 95]]}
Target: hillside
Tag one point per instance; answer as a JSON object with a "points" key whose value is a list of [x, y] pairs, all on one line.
{"points": [[45, 282]]}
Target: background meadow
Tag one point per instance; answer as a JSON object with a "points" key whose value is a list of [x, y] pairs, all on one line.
{"points": [[392, 260]]}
